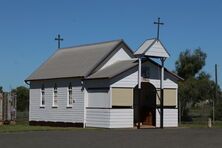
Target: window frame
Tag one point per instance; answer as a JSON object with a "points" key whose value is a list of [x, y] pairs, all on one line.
{"points": [[42, 96], [55, 96], [70, 94], [145, 72]]}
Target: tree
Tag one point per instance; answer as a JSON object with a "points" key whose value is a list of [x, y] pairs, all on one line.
{"points": [[197, 86], [190, 63], [22, 94]]}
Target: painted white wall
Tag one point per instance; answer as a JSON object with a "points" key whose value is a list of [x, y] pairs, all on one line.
{"points": [[109, 118], [170, 118], [62, 113], [119, 55], [128, 79], [167, 83], [99, 98], [157, 50], [121, 118]]}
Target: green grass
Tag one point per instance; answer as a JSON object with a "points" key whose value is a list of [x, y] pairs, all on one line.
{"points": [[24, 127], [196, 124], [200, 115]]}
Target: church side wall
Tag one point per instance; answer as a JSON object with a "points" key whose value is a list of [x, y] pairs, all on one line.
{"points": [[62, 113]]}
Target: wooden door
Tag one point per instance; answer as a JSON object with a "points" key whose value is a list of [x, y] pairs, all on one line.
{"points": [[148, 119]]}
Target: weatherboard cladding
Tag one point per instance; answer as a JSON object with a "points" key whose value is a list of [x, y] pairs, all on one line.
{"points": [[152, 48], [74, 61], [75, 114]]}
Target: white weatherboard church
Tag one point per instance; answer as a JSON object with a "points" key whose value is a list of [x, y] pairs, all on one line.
{"points": [[96, 85]]}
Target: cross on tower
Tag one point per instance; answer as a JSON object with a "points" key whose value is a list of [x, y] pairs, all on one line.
{"points": [[59, 39], [158, 27]]}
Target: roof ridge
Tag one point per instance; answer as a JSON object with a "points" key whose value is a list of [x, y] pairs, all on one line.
{"points": [[91, 44]]}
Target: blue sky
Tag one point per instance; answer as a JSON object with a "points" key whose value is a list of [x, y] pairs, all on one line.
{"points": [[28, 29]]}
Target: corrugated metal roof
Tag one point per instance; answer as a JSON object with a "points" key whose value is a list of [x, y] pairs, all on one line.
{"points": [[114, 69], [74, 61]]}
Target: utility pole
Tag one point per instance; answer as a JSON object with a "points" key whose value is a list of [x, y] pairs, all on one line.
{"points": [[215, 98], [139, 91], [162, 92]]}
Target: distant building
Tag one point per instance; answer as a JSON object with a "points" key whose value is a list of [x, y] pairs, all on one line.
{"points": [[7, 108], [96, 85]]}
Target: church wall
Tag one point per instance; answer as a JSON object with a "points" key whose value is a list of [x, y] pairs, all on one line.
{"points": [[62, 113], [128, 79], [170, 117]]}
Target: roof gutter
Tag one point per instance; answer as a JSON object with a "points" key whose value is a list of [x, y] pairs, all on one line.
{"points": [[27, 82]]}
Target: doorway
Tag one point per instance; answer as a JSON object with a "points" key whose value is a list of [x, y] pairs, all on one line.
{"points": [[145, 105]]}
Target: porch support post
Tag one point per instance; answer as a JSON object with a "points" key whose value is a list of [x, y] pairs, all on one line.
{"points": [[139, 91], [162, 92], [139, 74]]}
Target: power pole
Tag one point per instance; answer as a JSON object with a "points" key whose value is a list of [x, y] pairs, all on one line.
{"points": [[215, 98], [139, 91]]}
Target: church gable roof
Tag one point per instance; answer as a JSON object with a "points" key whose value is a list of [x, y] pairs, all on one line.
{"points": [[152, 48], [114, 69], [76, 61]]}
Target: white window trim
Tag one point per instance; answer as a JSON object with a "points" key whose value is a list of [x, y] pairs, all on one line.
{"points": [[53, 98], [41, 105], [73, 101]]}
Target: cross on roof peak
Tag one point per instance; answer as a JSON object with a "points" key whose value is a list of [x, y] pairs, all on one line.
{"points": [[158, 23], [59, 39]]}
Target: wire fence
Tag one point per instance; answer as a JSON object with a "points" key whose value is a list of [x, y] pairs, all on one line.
{"points": [[22, 116]]}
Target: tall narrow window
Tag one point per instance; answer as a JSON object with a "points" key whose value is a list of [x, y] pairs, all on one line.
{"points": [[55, 96], [42, 100], [70, 98]]}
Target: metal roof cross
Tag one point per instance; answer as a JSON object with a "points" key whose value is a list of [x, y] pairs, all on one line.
{"points": [[59, 39], [158, 27]]}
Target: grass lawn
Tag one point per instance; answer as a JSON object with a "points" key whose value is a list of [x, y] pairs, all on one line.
{"points": [[218, 124], [24, 127]]}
